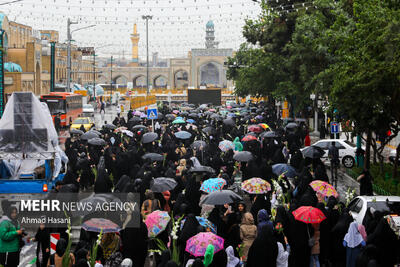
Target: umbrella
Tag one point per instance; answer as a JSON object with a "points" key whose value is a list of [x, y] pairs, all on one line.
{"points": [[264, 125], [137, 113], [200, 169], [135, 120], [221, 197], [229, 122], [313, 152], [170, 117], [197, 245], [291, 125], [149, 137], [138, 127], [191, 121], [162, 184], [120, 129], [270, 134], [175, 111], [110, 126], [128, 133], [143, 116], [212, 184], [289, 171], [243, 156], [160, 116], [210, 227], [308, 214], [100, 224], [256, 186], [89, 135], [248, 138], [255, 128], [97, 142], [209, 130], [178, 121], [156, 222], [76, 131], [300, 120], [324, 188], [199, 144], [216, 117], [231, 115], [191, 125], [183, 135], [153, 156], [193, 115], [226, 145]]}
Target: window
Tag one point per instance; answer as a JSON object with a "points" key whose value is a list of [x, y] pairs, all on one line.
{"points": [[356, 205], [350, 143], [323, 145]]}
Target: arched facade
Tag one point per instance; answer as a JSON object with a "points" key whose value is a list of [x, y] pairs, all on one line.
{"points": [[120, 79], [181, 79], [139, 81], [210, 74], [160, 81]]}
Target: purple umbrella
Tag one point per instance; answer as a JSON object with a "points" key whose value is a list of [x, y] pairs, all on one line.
{"points": [[98, 224]]}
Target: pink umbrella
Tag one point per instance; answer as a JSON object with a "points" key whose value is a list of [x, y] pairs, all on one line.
{"points": [[137, 113], [156, 222], [175, 111], [197, 244]]}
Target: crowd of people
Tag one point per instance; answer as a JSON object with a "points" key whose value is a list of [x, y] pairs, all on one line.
{"points": [[259, 230]]}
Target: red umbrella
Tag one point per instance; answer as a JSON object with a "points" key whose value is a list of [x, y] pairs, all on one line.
{"points": [[249, 137], [255, 128], [308, 214]]}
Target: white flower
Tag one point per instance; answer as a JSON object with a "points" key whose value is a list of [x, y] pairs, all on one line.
{"points": [[98, 241]]}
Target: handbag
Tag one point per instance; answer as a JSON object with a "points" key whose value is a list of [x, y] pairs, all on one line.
{"points": [[311, 240]]}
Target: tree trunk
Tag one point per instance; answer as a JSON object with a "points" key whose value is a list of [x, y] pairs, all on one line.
{"points": [[368, 151], [394, 175]]}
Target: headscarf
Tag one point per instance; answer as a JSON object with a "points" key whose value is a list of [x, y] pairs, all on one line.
{"points": [[208, 256], [232, 260], [353, 237], [248, 219], [126, 263], [361, 230], [238, 145], [263, 220]]}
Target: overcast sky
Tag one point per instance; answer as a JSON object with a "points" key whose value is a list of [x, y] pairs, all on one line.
{"points": [[176, 27]]}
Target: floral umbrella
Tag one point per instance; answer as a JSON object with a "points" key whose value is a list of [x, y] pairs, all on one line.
{"points": [[156, 222], [212, 184], [226, 145], [308, 214], [210, 227], [100, 224], [256, 186], [324, 188], [197, 244]]}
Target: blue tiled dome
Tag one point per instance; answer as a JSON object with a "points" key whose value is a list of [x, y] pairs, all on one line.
{"points": [[210, 24], [12, 67]]}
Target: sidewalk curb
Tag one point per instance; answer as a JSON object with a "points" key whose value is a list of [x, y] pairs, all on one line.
{"points": [[349, 181]]}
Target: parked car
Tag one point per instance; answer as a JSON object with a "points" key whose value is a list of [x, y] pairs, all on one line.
{"points": [[347, 150], [88, 110], [392, 157], [87, 122], [358, 206]]}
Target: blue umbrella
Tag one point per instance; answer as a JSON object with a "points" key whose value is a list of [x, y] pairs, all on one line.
{"points": [[289, 171], [183, 135], [203, 222], [191, 121]]}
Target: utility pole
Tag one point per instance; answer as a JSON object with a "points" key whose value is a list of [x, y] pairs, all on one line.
{"points": [[69, 23], [147, 17], [111, 80], [94, 75]]}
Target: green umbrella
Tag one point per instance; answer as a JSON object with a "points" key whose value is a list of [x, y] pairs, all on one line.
{"points": [[178, 121]]}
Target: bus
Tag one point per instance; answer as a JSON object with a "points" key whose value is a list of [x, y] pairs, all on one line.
{"points": [[68, 105]]}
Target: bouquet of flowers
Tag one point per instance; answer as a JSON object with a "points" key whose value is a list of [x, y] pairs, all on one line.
{"points": [[279, 227], [349, 195]]}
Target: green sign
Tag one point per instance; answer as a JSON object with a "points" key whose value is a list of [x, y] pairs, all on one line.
{"points": [[52, 66], [2, 104]]}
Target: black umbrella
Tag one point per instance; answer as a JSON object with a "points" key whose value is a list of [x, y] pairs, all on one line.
{"points": [[313, 152], [94, 131], [170, 117], [183, 114], [153, 156], [95, 200], [243, 156], [291, 125], [198, 145], [269, 134], [135, 120], [183, 135], [221, 197], [110, 126], [209, 130], [138, 127], [200, 169], [76, 131], [229, 122], [89, 135], [97, 142], [160, 116], [162, 184], [193, 115], [149, 137]]}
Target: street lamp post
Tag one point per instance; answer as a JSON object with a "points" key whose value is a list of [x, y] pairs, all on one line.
{"points": [[69, 38], [314, 98], [147, 17], [111, 80]]}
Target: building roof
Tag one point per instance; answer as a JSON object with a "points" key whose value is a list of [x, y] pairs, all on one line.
{"points": [[12, 67], [210, 24]]}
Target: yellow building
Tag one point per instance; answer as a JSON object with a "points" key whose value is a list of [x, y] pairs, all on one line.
{"points": [[20, 35], [135, 47]]}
